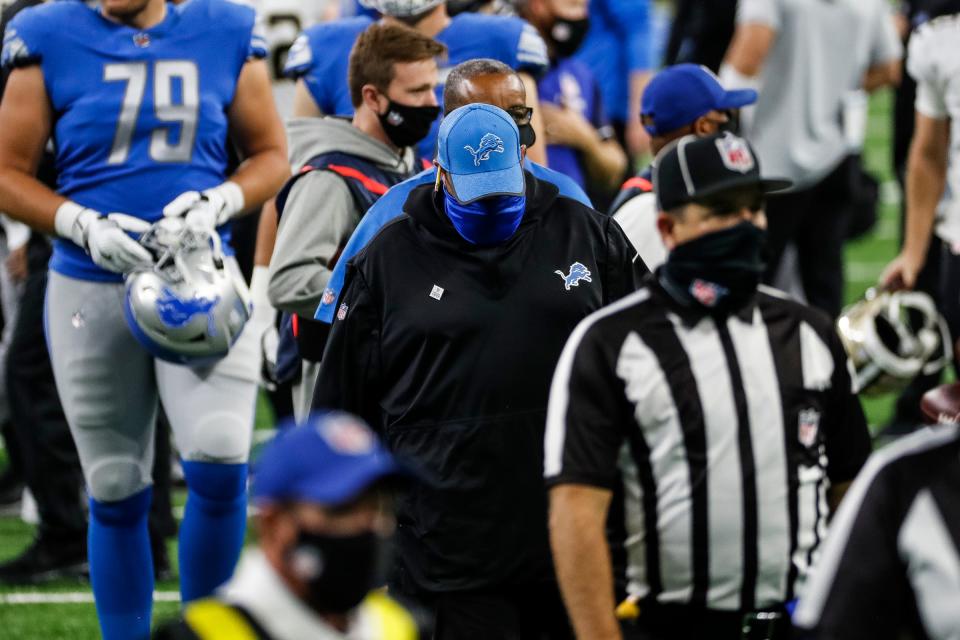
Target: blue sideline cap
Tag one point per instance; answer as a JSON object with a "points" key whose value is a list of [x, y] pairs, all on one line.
{"points": [[329, 460], [680, 94], [479, 146]]}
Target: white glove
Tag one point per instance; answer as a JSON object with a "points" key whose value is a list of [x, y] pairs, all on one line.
{"points": [[104, 237], [207, 210], [18, 234]]}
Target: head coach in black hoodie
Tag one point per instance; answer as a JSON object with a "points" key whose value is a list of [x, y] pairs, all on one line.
{"points": [[448, 330]]}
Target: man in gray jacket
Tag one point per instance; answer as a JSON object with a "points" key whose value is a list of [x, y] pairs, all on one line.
{"points": [[341, 167]]}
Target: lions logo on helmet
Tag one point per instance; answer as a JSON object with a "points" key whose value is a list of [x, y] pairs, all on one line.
{"points": [[891, 337], [176, 313], [187, 308]]}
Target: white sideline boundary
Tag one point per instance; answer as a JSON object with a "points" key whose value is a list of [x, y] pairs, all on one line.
{"points": [[73, 597]]}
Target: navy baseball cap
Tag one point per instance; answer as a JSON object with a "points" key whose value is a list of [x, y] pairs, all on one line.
{"points": [[693, 168], [680, 94], [479, 146], [329, 460]]}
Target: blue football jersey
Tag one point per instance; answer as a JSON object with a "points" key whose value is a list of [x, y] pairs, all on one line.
{"points": [[390, 206], [321, 55], [140, 115], [571, 84]]}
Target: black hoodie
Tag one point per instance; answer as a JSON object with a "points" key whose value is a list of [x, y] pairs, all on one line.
{"points": [[448, 349]]}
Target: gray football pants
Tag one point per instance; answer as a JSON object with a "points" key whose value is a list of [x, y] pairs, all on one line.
{"points": [[109, 386]]}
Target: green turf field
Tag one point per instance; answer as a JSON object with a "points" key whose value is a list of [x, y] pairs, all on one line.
{"points": [[23, 617]]}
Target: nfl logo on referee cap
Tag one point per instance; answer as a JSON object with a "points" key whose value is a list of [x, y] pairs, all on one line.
{"points": [[809, 425], [735, 154]]}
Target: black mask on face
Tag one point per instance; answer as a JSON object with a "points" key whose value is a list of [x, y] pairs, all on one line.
{"points": [[528, 137], [455, 7], [566, 36], [732, 125], [406, 125], [717, 272], [339, 570]]}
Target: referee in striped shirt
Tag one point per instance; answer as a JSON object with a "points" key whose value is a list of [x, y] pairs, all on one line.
{"points": [[891, 565], [725, 410]]}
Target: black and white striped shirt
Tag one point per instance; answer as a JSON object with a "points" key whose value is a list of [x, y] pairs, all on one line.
{"points": [[726, 434], [891, 563]]}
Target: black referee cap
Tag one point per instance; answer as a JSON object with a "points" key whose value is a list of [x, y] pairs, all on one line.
{"points": [[696, 168]]}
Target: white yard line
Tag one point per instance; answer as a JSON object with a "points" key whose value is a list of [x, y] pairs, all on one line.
{"points": [[72, 597]]}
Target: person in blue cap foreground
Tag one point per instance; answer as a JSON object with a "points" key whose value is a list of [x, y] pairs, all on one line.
{"points": [[445, 339], [681, 100], [323, 492]]}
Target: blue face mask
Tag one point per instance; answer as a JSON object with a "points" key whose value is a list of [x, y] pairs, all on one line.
{"points": [[488, 220]]}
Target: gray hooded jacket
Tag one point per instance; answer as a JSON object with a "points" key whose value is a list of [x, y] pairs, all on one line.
{"points": [[320, 214]]}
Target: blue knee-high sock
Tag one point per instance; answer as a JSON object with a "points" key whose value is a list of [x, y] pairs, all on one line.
{"points": [[121, 567], [214, 523]]}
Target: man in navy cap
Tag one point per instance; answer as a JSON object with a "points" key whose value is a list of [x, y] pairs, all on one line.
{"points": [[682, 99], [323, 494], [446, 335]]}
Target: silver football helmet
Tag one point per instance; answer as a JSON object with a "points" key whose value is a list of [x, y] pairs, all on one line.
{"points": [[401, 8], [187, 307], [891, 337]]}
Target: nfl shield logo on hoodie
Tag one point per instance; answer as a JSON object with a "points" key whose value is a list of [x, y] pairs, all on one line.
{"points": [[809, 425]]}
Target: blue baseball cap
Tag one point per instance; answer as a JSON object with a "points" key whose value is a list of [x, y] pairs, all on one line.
{"points": [[479, 146], [680, 94], [329, 460]]}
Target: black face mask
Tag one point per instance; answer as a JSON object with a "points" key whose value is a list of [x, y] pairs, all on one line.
{"points": [[717, 272], [339, 570], [406, 125], [455, 7], [732, 125], [528, 137], [566, 36]]}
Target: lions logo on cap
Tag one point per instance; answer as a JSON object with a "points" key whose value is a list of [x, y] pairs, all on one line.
{"points": [[735, 154], [489, 143]]}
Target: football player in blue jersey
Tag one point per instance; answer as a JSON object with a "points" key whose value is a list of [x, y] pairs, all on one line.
{"points": [[581, 142], [318, 58], [139, 97]]}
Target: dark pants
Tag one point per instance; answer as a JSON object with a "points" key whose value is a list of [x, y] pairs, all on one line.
{"points": [[907, 415], [949, 298], [701, 32], [679, 622], [535, 612], [51, 467], [815, 220]]}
